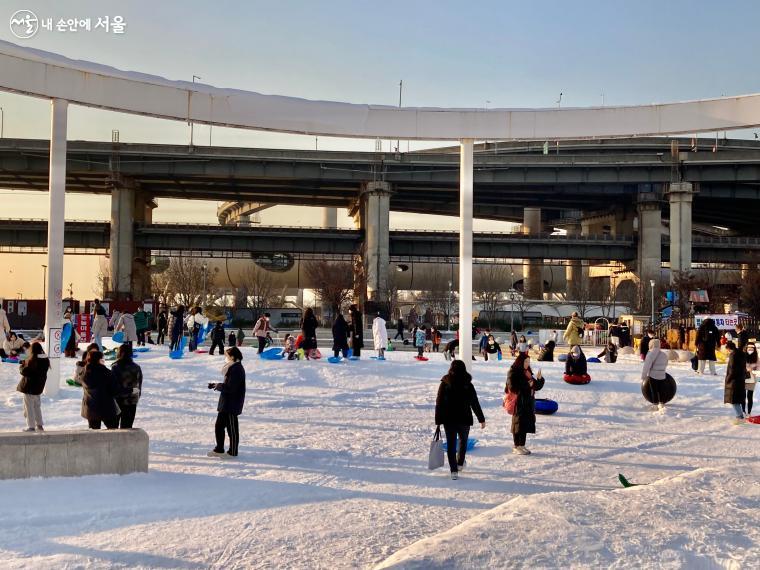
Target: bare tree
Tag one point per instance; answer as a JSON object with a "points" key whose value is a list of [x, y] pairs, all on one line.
{"points": [[488, 288], [102, 283], [258, 289], [750, 294], [185, 281], [437, 298], [333, 282]]}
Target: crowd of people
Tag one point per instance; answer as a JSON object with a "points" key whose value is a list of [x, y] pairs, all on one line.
{"points": [[110, 395]]}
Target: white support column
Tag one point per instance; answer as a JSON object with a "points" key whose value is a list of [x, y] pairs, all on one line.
{"points": [[465, 250], [56, 221], [329, 217]]}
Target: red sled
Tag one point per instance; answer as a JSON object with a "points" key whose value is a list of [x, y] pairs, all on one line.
{"points": [[577, 378], [421, 358], [754, 419]]}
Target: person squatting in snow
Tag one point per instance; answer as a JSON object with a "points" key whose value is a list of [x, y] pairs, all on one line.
{"points": [[230, 406], [454, 404]]}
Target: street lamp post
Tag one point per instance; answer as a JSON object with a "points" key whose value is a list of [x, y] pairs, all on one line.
{"points": [[448, 311], [204, 284], [44, 282], [614, 295], [651, 284], [2, 122]]}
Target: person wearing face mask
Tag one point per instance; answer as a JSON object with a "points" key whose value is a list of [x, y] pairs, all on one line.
{"points": [[576, 369], [522, 345], [231, 400], [753, 371], [654, 367], [522, 382]]}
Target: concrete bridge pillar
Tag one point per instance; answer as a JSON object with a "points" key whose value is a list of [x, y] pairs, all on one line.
{"points": [[650, 238], [533, 269], [680, 195], [374, 213], [129, 267], [329, 217], [574, 268]]}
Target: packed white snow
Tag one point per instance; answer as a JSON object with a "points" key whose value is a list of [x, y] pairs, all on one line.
{"points": [[332, 473]]}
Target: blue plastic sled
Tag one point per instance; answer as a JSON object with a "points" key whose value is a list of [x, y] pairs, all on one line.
{"points": [[498, 355], [334, 359], [272, 354], [377, 357], [178, 352], [11, 360], [66, 335], [142, 349], [118, 337], [354, 358], [546, 407], [471, 443], [562, 358], [593, 359]]}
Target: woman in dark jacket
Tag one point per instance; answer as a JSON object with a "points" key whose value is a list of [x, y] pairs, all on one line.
{"points": [[454, 405], [309, 330], [576, 362], [356, 328], [34, 372], [547, 353], [231, 400], [520, 381], [99, 393], [128, 378], [491, 347], [175, 324], [708, 336], [340, 336], [736, 372]]}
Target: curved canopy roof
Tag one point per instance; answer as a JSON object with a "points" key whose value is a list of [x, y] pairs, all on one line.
{"points": [[43, 74]]}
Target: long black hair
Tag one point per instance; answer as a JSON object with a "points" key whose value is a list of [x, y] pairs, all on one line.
{"points": [[752, 358]]}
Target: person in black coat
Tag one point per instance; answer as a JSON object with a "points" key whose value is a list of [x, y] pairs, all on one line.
{"points": [[736, 373], [522, 383], [163, 323], [175, 325], [399, 329], [99, 392], [707, 339], [217, 338], [742, 337], [34, 371], [644, 346], [128, 377], [309, 326], [454, 405], [576, 362], [231, 400], [340, 336], [491, 347], [356, 328], [624, 335], [547, 353]]}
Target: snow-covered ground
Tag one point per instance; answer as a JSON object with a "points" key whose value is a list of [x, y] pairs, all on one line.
{"points": [[332, 474]]}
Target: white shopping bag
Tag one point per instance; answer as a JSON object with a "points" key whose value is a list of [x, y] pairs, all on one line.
{"points": [[435, 459]]}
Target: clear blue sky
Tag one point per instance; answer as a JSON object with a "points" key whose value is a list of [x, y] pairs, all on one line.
{"points": [[469, 54]]}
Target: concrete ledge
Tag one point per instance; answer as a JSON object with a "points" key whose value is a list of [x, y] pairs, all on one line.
{"points": [[72, 453]]}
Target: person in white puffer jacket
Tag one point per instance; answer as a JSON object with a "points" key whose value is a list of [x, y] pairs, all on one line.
{"points": [[655, 364], [380, 336]]}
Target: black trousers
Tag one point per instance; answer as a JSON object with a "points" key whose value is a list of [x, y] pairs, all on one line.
{"points": [[127, 417], [420, 350], [262, 343], [161, 335], [399, 334], [111, 423], [748, 408], [519, 438], [174, 343], [228, 422], [456, 444], [141, 338], [214, 344], [338, 351]]}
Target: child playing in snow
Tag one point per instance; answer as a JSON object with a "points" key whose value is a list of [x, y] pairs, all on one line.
{"points": [[289, 346], [419, 338]]}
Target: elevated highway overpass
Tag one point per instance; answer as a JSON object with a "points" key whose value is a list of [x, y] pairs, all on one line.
{"points": [[332, 243]]}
